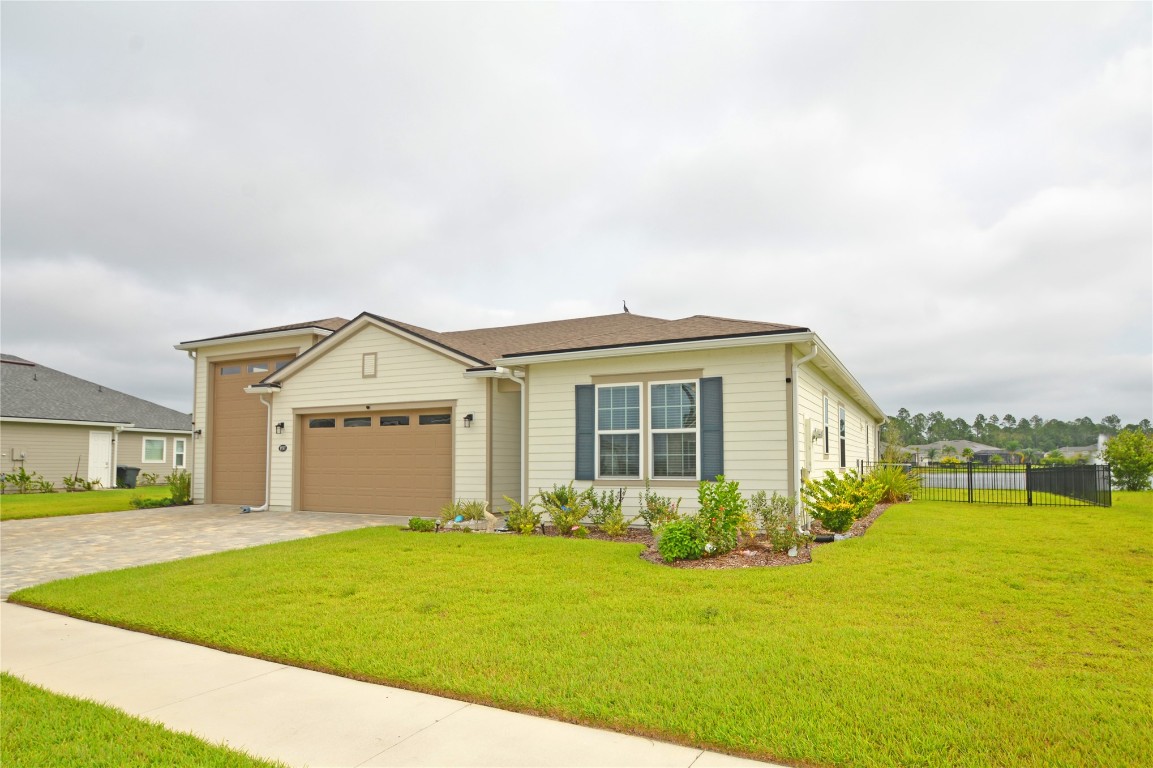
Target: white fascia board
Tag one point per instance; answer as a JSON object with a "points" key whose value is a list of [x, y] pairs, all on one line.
{"points": [[658, 348], [262, 389], [194, 345], [70, 422], [851, 384], [158, 431]]}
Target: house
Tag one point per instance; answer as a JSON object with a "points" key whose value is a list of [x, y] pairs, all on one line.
{"points": [[981, 453], [376, 415], [59, 426]]}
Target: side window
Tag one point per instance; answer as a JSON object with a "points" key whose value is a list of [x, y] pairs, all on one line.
{"points": [[178, 452], [842, 432], [826, 423]]}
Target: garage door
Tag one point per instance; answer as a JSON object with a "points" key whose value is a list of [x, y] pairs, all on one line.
{"points": [[238, 431], [395, 463]]}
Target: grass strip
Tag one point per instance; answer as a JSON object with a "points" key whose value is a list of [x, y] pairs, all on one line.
{"points": [[39, 728], [22, 506], [950, 635]]}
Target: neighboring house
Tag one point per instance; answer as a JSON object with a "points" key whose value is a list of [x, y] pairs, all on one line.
{"points": [[375, 415], [981, 453], [58, 425]]}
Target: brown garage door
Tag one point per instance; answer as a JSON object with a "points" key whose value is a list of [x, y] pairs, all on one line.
{"points": [[238, 431], [395, 463]]}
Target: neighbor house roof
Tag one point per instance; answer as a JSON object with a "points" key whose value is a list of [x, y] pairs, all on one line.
{"points": [[958, 445], [29, 390], [601, 332]]}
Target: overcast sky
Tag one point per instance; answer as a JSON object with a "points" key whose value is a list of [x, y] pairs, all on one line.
{"points": [[956, 197]]}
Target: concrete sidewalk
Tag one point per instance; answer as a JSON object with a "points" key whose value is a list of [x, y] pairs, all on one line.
{"points": [[298, 716]]}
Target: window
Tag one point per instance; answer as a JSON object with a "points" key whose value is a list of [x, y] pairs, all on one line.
{"points": [[435, 418], [178, 452], [841, 429], [229, 370], [258, 367], [619, 431], [826, 399], [673, 425], [358, 421], [154, 450], [394, 421], [322, 423]]}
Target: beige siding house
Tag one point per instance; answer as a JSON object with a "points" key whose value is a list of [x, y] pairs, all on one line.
{"points": [[58, 426], [378, 416]]}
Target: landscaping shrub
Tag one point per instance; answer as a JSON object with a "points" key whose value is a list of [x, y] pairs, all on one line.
{"points": [[681, 539], [657, 510], [147, 478], [567, 508], [78, 483], [24, 482], [895, 481], [522, 518], [421, 525], [778, 517], [838, 501], [722, 515], [179, 488], [608, 511]]}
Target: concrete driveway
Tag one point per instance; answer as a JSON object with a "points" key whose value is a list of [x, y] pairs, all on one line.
{"points": [[50, 548]]}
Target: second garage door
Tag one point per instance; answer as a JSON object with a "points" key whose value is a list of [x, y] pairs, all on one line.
{"points": [[395, 463]]}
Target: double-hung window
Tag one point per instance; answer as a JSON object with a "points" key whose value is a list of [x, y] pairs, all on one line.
{"points": [[178, 452], [673, 423], [826, 400], [619, 431], [843, 435]]}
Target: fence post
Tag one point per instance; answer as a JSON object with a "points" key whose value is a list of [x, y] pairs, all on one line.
{"points": [[969, 472], [1028, 485]]}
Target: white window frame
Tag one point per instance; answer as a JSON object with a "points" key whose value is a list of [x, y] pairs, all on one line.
{"points": [[179, 453], [163, 451], [826, 399], [647, 427], [639, 431]]}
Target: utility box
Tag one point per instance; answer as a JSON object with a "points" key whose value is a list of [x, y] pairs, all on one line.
{"points": [[126, 476]]}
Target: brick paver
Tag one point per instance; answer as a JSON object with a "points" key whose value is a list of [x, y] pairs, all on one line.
{"points": [[46, 549]]}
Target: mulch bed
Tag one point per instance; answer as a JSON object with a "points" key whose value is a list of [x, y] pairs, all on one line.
{"points": [[750, 555]]}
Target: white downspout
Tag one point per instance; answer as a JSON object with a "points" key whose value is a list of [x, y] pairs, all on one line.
{"points": [[800, 508], [267, 463], [523, 430]]}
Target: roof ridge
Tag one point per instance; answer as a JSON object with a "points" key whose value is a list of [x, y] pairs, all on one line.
{"points": [[557, 322]]}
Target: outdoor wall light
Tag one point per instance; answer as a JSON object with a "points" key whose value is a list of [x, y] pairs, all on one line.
{"points": [[280, 428], [198, 433], [467, 420]]}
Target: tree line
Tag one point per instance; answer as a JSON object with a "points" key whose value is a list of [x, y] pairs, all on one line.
{"points": [[1006, 432]]}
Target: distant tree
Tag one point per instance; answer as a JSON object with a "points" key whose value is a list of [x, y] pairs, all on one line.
{"points": [[968, 454], [1130, 456], [1053, 457], [1009, 421], [1111, 424], [996, 459]]}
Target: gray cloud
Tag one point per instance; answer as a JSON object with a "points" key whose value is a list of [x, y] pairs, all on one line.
{"points": [[956, 196]]}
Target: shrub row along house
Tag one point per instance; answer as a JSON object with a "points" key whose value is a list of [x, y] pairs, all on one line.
{"points": [[379, 416], [57, 425]]}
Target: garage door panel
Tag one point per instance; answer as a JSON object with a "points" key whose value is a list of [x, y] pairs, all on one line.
{"points": [[394, 469], [238, 430]]}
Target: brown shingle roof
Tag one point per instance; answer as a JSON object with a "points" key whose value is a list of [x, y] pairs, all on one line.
{"points": [[603, 331], [328, 324]]}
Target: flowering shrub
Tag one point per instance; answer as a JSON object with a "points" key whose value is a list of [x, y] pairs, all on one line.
{"points": [[608, 511], [838, 501], [656, 510], [778, 517], [723, 515]]}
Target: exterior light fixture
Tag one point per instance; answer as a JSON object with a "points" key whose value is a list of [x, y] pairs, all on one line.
{"points": [[280, 428], [198, 433], [467, 420]]}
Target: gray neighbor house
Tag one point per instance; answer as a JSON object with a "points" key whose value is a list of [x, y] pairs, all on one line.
{"points": [[59, 425]]}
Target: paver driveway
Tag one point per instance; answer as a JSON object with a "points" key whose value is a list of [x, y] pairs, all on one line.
{"points": [[46, 549]]}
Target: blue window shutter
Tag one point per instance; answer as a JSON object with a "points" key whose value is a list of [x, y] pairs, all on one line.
{"points": [[585, 432], [712, 414]]}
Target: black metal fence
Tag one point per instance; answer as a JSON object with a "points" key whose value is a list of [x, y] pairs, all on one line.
{"points": [[1028, 484]]}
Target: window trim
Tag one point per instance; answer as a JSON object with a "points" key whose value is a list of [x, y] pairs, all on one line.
{"points": [[646, 426], [179, 454], [163, 450], [642, 405]]}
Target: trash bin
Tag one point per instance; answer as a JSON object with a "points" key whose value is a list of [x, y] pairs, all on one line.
{"points": [[126, 476]]}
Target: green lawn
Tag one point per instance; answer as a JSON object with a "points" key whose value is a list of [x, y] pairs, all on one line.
{"points": [[951, 635], [20, 506], [40, 729]]}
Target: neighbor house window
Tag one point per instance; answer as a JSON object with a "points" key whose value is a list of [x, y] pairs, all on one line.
{"points": [[154, 450], [178, 451], [673, 426], [619, 431], [841, 429]]}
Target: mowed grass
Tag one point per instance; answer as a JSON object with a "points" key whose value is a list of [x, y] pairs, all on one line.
{"points": [[950, 635], [39, 728], [20, 506]]}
